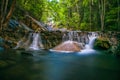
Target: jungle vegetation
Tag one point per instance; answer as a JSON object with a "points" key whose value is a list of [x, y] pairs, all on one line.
{"points": [[90, 15]]}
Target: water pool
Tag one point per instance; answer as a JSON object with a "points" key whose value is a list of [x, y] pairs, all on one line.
{"points": [[47, 65]]}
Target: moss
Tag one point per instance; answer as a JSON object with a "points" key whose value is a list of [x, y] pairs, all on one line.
{"points": [[102, 43], [116, 49]]}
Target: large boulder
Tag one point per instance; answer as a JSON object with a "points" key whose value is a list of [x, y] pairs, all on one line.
{"points": [[71, 46]]}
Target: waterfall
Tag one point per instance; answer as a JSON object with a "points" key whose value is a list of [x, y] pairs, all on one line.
{"points": [[82, 42], [32, 42], [86, 39], [24, 42], [89, 47], [72, 36], [91, 43], [92, 38], [36, 43]]}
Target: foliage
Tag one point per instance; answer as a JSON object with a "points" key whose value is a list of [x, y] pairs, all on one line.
{"points": [[112, 15], [29, 7], [72, 14]]}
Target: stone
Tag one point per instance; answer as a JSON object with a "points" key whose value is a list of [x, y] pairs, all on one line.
{"points": [[3, 64], [68, 46], [102, 43]]}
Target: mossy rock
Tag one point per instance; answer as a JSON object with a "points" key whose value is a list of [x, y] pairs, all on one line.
{"points": [[3, 64], [116, 50], [102, 43]]}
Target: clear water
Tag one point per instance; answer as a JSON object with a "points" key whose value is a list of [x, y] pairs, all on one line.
{"points": [[46, 65]]}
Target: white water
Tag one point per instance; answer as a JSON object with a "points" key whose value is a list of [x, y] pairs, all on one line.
{"points": [[33, 42], [85, 47], [34, 45], [87, 50], [84, 39], [72, 36], [90, 45], [23, 43]]}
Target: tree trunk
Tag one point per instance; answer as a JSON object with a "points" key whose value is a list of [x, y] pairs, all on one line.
{"points": [[102, 22], [4, 10], [9, 13], [104, 3], [69, 15], [102, 13], [0, 19], [81, 11], [5, 15], [90, 6], [1, 13], [118, 17]]}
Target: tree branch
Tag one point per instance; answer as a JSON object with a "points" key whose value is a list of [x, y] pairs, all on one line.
{"points": [[10, 12]]}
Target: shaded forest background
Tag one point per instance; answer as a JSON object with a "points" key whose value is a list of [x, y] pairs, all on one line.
{"points": [[90, 15]]}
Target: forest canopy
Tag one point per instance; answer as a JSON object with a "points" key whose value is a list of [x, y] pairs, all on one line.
{"points": [[90, 15]]}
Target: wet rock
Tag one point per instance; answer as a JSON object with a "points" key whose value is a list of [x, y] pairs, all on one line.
{"points": [[102, 43], [13, 23], [3, 64], [68, 46]]}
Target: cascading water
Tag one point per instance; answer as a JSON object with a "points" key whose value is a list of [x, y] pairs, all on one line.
{"points": [[80, 37], [82, 41], [69, 44], [89, 46], [91, 43], [72, 36], [34, 45], [24, 42], [72, 41], [33, 42], [92, 38]]}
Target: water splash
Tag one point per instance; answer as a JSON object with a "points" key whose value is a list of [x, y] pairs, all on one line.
{"points": [[91, 43], [89, 47], [92, 38]]}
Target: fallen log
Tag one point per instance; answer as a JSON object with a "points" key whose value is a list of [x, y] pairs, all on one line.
{"points": [[37, 23]]}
